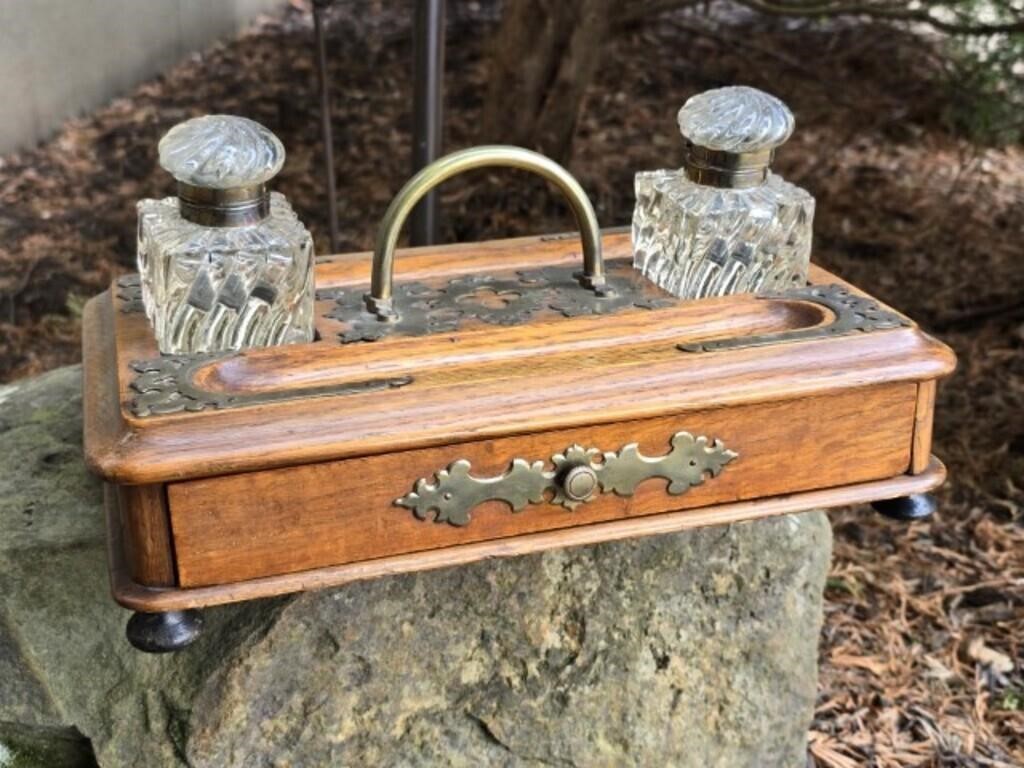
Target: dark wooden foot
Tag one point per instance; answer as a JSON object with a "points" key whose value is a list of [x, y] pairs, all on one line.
{"points": [[164, 632], [907, 508]]}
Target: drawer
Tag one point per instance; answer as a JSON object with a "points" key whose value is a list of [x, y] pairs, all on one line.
{"points": [[246, 526]]}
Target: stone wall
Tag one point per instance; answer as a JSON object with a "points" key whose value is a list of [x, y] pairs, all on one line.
{"points": [[694, 649]]}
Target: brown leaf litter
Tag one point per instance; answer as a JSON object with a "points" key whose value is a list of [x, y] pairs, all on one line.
{"points": [[921, 649]]}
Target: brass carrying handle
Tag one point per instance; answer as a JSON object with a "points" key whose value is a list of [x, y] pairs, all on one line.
{"points": [[380, 301]]}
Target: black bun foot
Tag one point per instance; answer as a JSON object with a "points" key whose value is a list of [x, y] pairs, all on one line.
{"points": [[907, 508], [164, 632]]}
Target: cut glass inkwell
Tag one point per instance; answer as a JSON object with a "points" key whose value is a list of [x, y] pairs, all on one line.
{"points": [[724, 223], [226, 264]]}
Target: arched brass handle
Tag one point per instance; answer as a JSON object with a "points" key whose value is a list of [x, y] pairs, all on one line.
{"points": [[379, 299]]}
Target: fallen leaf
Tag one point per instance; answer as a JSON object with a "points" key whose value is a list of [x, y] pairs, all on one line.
{"points": [[999, 662]]}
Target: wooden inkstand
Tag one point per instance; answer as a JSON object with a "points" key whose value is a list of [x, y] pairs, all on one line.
{"points": [[501, 398]]}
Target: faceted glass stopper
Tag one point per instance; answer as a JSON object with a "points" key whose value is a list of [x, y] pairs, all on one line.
{"points": [[221, 152], [735, 119]]}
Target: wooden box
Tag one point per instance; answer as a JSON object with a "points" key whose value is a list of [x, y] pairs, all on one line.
{"points": [[507, 413]]}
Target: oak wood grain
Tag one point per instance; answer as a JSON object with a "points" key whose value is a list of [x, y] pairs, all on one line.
{"points": [[147, 534], [549, 375], [257, 524], [924, 418], [102, 424], [140, 598]]}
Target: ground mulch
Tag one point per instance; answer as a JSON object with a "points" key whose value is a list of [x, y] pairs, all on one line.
{"points": [[921, 649]]}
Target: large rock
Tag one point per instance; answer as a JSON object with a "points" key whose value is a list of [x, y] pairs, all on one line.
{"points": [[696, 649]]}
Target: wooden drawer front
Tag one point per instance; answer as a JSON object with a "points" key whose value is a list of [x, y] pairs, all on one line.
{"points": [[240, 527]]}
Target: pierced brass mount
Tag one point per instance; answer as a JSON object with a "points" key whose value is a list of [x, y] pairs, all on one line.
{"points": [[446, 307], [129, 291], [851, 314], [576, 477], [167, 385], [380, 302]]}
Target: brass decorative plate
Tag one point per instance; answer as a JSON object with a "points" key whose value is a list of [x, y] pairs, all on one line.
{"points": [[492, 300], [167, 385], [575, 478], [852, 314], [129, 291]]}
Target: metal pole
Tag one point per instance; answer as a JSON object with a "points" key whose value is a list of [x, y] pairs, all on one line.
{"points": [[428, 74], [319, 6]]}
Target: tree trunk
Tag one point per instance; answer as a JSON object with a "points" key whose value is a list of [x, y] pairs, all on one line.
{"points": [[542, 59]]}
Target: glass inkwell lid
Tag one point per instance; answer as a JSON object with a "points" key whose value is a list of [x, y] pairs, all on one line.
{"points": [[731, 135], [222, 164]]}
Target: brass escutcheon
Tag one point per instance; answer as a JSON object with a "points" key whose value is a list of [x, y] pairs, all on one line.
{"points": [[578, 475]]}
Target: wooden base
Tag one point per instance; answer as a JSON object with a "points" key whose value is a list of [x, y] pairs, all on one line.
{"points": [[157, 600], [278, 470]]}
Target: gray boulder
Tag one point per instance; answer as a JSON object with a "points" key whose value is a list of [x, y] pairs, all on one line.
{"points": [[695, 649]]}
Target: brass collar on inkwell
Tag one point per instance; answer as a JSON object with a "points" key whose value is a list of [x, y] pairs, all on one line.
{"points": [[234, 207], [222, 164], [728, 170], [731, 136]]}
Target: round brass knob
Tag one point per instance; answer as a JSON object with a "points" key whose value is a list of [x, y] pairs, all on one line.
{"points": [[579, 483]]}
